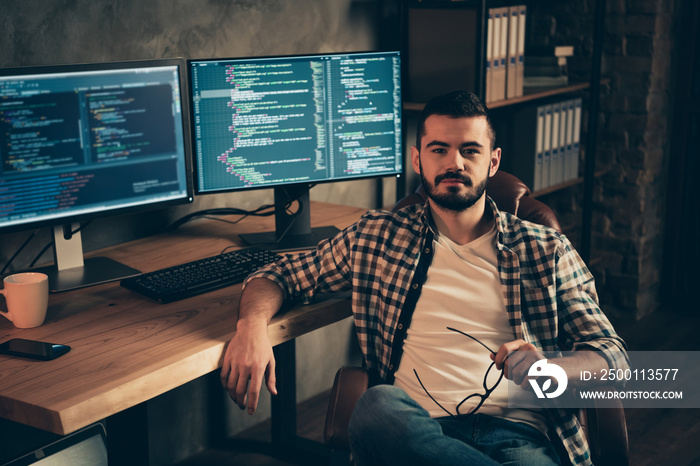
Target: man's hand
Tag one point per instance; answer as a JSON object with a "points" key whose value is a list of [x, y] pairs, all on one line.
{"points": [[516, 358], [247, 361], [248, 358]]}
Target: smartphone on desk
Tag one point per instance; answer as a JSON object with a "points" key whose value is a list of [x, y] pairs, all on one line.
{"points": [[33, 349]]}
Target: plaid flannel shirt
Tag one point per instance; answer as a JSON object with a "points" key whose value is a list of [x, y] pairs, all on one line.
{"points": [[550, 296]]}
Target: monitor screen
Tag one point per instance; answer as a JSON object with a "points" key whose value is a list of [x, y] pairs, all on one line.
{"points": [[81, 141], [275, 122]]}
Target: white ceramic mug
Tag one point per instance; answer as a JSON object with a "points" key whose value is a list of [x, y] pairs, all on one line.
{"points": [[27, 297]]}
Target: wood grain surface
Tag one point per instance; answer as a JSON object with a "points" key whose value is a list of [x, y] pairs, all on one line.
{"points": [[127, 349]]}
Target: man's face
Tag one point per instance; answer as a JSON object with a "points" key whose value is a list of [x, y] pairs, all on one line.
{"points": [[455, 160]]}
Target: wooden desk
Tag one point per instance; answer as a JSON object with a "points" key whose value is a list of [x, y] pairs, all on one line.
{"points": [[126, 349]]}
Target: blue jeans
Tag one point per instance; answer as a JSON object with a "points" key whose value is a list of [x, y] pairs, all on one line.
{"points": [[387, 427]]}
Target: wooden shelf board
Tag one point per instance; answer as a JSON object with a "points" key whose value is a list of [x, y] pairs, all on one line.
{"points": [[532, 94], [539, 93], [567, 184], [557, 187]]}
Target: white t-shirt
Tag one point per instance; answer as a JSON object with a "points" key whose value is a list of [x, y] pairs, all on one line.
{"points": [[462, 291]]}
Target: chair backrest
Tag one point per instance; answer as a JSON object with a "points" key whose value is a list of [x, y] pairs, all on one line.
{"points": [[510, 194]]}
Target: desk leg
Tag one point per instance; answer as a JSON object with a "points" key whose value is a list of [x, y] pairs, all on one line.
{"points": [[285, 442], [127, 437], [284, 405]]}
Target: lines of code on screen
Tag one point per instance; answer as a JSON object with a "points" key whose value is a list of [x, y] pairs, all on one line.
{"points": [[75, 143], [266, 122]]}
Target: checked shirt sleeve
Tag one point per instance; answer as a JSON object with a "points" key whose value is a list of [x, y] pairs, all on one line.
{"points": [[583, 324], [324, 270]]}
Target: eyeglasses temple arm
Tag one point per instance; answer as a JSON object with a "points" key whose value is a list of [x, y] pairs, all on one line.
{"points": [[431, 396], [469, 336]]}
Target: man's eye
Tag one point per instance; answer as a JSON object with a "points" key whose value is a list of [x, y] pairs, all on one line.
{"points": [[466, 152]]}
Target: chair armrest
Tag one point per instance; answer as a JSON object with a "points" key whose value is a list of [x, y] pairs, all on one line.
{"points": [[606, 428], [350, 383]]}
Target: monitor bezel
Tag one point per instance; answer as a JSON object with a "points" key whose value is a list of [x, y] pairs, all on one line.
{"points": [[62, 444], [195, 170], [182, 68]]}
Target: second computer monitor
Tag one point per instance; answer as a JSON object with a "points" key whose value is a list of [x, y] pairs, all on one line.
{"points": [[288, 122]]}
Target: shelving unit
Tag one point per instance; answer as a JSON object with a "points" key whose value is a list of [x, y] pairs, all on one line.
{"points": [[441, 57]]}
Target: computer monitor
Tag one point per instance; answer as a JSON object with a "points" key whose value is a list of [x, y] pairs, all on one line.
{"points": [[293, 121], [91, 140], [87, 447]]}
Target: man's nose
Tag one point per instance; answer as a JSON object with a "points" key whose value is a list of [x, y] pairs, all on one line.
{"points": [[454, 161]]}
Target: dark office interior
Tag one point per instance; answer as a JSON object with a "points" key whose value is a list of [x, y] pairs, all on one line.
{"points": [[631, 213]]}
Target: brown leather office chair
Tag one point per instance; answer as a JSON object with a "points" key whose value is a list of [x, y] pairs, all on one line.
{"points": [[605, 428]]}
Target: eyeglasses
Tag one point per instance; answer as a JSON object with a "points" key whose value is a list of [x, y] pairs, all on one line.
{"points": [[489, 385]]}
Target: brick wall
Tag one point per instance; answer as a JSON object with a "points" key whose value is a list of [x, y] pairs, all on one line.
{"points": [[633, 143]]}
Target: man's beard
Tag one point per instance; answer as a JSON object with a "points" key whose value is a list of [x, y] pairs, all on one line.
{"points": [[452, 199]]}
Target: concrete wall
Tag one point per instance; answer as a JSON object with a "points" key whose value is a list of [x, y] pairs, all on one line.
{"points": [[34, 32]]}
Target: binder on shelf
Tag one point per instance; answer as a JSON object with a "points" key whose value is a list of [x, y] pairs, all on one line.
{"points": [[512, 56], [570, 175], [576, 153], [547, 143], [496, 58], [488, 93], [563, 122], [539, 148], [520, 69], [541, 144], [555, 159], [503, 54]]}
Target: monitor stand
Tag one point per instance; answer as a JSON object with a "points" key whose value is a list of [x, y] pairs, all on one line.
{"points": [[293, 231], [72, 271]]}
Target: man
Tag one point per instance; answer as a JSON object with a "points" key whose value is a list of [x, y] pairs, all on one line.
{"points": [[440, 292]]}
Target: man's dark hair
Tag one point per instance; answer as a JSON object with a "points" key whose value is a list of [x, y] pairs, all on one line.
{"points": [[455, 104]]}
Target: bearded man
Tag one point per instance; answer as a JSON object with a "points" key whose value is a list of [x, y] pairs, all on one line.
{"points": [[448, 297]]}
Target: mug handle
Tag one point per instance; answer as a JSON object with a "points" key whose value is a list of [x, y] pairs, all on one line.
{"points": [[5, 314]]}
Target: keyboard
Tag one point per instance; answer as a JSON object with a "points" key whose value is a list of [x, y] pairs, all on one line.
{"points": [[200, 276]]}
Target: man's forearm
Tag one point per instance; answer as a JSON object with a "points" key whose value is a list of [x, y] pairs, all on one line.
{"points": [[248, 359], [260, 301]]}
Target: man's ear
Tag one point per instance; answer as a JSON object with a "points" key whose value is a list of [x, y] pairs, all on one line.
{"points": [[415, 159], [495, 161]]}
